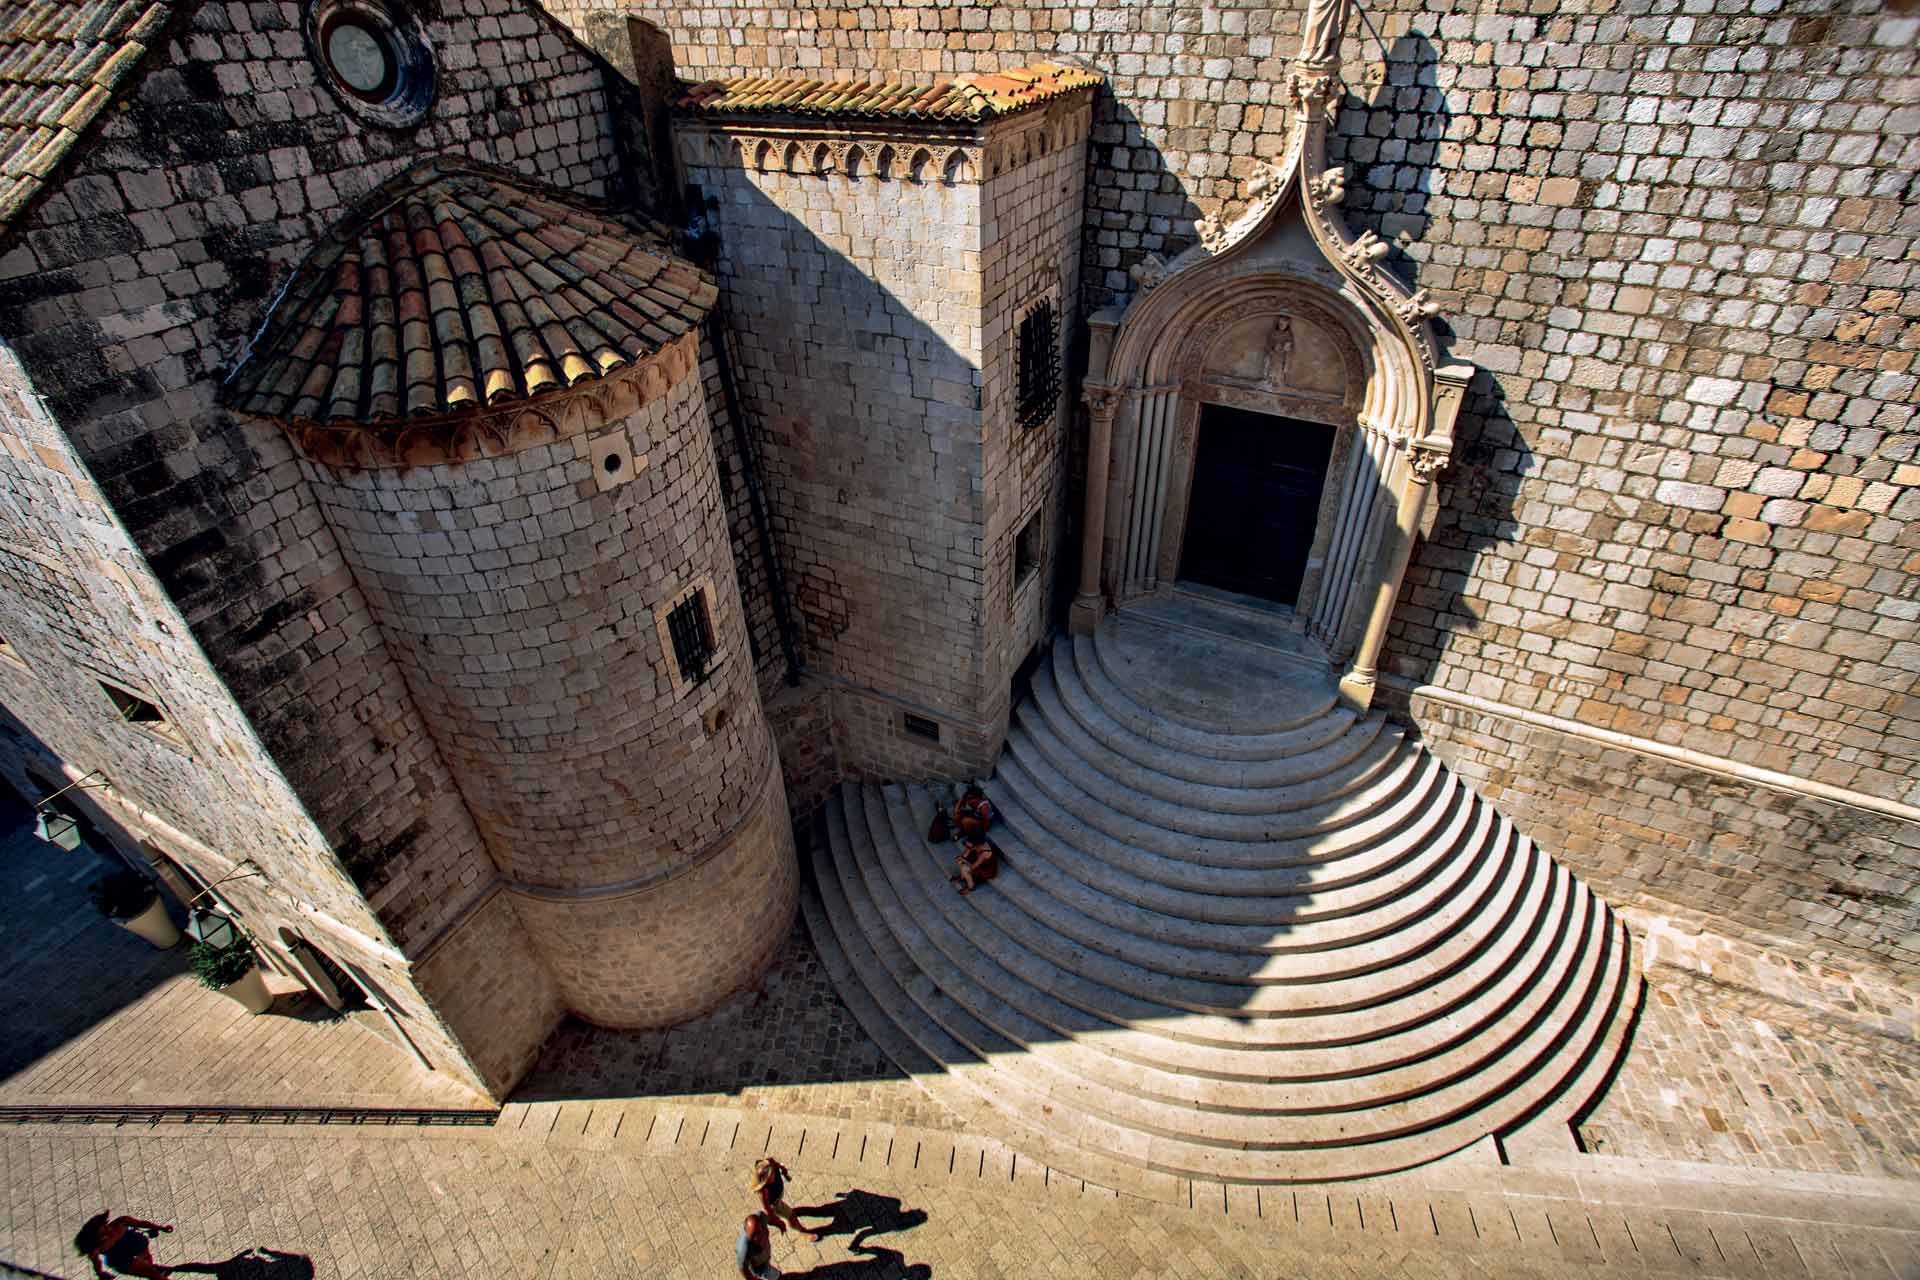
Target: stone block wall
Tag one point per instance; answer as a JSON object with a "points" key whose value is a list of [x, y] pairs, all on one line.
{"points": [[1810, 876], [855, 304], [79, 604], [128, 293], [1034, 215], [524, 596], [1676, 240]]}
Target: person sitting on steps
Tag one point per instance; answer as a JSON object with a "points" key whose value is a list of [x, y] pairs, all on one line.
{"points": [[978, 860], [973, 813]]}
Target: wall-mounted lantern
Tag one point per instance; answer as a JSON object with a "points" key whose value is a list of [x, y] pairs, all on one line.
{"points": [[212, 928], [58, 828]]}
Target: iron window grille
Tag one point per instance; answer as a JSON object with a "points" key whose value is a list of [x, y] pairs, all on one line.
{"points": [[692, 633], [1039, 364]]}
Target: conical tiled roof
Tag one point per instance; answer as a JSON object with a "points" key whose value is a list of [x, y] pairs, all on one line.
{"points": [[461, 286], [980, 96]]}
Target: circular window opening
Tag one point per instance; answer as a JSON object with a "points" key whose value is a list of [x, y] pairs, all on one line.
{"points": [[361, 57], [372, 56]]}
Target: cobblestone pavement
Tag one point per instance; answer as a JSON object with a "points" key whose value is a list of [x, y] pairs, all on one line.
{"points": [[1750, 1084], [1703, 1080], [92, 1015], [391, 1204], [789, 1046]]}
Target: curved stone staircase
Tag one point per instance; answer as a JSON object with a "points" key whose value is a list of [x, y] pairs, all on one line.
{"points": [[1234, 938]]}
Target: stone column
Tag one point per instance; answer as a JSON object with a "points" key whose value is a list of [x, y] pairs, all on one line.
{"points": [[1423, 463], [1088, 603]]}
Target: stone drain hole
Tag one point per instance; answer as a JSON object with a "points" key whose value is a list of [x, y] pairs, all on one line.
{"points": [[612, 462]]}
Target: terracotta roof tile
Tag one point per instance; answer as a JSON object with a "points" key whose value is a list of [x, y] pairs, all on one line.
{"points": [[457, 286], [969, 97], [60, 63]]}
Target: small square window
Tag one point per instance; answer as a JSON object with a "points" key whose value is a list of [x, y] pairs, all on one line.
{"points": [[1038, 364], [692, 633], [140, 711], [1026, 550], [920, 727]]}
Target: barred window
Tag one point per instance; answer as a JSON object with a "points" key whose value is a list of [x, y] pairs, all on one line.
{"points": [[692, 633], [1039, 364]]}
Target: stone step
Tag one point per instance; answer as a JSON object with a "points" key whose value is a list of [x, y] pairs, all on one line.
{"points": [[1268, 909], [1461, 942], [1266, 1116], [1233, 939], [1416, 799], [1263, 814], [1277, 1145], [1058, 691], [1448, 879], [950, 1072], [1128, 651], [1270, 840], [1249, 787], [1229, 746], [1056, 983]]}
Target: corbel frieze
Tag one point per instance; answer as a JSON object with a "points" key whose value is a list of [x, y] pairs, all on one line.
{"points": [[852, 150], [500, 430]]}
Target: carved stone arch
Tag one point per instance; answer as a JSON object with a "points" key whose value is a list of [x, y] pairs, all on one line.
{"points": [[792, 160], [919, 169], [956, 167], [823, 159], [853, 162], [883, 165], [1261, 318], [763, 156]]}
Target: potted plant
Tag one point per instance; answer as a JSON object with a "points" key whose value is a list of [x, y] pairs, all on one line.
{"points": [[232, 972], [129, 900]]}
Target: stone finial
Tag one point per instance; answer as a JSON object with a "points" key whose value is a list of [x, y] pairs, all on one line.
{"points": [[1149, 271]]}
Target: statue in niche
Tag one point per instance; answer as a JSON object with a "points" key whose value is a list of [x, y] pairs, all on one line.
{"points": [[1276, 354], [1279, 356], [1321, 29]]}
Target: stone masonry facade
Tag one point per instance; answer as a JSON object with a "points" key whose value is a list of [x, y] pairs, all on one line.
{"points": [[128, 293], [899, 489], [1675, 239]]}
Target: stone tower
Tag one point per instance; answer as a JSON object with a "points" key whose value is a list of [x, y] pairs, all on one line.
{"points": [[496, 394]]}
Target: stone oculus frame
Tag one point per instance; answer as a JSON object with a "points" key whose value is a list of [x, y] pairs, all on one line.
{"points": [[1283, 312]]}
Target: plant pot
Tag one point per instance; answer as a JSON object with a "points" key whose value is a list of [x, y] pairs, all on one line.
{"points": [[153, 924], [250, 991]]}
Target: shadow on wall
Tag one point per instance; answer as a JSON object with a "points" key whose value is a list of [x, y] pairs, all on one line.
{"points": [[854, 344], [68, 968], [1389, 143]]}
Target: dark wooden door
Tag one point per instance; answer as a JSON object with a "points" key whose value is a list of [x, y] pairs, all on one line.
{"points": [[1255, 502]]}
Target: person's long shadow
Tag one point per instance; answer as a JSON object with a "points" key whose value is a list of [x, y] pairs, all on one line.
{"points": [[863, 1214], [879, 1264], [255, 1264]]}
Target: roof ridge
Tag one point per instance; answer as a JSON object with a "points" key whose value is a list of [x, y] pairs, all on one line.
{"points": [[969, 96]]}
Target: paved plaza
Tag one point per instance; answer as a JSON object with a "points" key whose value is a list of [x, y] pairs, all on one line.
{"points": [[646, 1191], [91, 1015], [625, 1153]]}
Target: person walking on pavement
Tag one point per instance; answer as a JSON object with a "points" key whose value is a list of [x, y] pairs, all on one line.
{"points": [[770, 1184], [754, 1252], [120, 1243]]}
